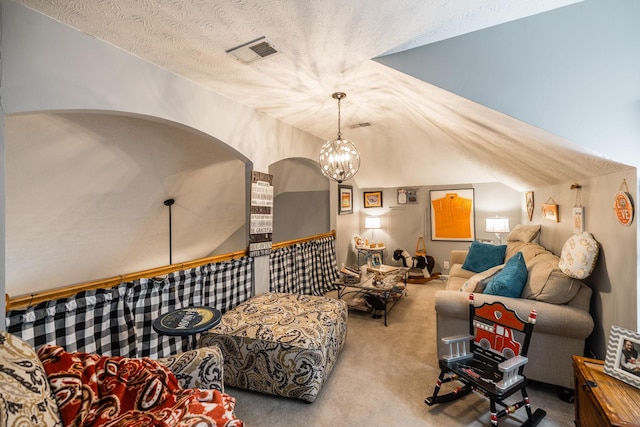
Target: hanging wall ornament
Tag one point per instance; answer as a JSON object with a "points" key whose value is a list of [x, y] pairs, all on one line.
{"points": [[623, 205], [578, 211]]}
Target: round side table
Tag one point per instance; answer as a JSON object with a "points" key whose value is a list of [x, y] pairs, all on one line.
{"points": [[187, 321]]}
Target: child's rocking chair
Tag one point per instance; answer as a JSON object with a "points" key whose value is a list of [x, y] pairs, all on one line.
{"points": [[489, 360]]}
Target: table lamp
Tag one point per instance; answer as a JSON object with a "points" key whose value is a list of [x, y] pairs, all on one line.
{"points": [[372, 222], [497, 225]]}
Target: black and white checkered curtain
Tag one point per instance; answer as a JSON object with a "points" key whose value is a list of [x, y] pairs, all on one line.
{"points": [[118, 321], [98, 321], [308, 268], [228, 283]]}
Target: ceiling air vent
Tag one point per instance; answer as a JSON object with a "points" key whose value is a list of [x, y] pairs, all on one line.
{"points": [[360, 125], [253, 50]]}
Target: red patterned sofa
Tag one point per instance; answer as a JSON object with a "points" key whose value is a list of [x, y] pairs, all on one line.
{"points": [[55, 388]]}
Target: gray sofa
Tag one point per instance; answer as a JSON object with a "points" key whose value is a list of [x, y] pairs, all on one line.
{"points": [[562, 305]]}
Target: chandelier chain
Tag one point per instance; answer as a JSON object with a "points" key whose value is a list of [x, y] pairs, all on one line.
{"points": [[339, 133]]}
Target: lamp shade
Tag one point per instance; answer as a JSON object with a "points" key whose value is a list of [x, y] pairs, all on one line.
{"points": [[497, 224], [372, 222]]}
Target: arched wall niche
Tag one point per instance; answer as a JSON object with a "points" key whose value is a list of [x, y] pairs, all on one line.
{"points": [[301, 205], [85, 194]]}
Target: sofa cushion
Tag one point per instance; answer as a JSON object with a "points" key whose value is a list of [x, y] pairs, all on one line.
{"points": [[483, 256], [510, 281], [25, 394], [524, 233], [547, 282], [117, 391], [478, 281], [529, 250], [579, 256]]}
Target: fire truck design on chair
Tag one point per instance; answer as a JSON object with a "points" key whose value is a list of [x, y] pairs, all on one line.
{"points": [[489, 360]]}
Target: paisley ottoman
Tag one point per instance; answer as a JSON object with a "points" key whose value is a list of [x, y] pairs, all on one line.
{"points": [[280, 343]]}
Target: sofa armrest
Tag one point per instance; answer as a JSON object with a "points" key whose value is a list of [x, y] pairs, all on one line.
{"points": [[199, 368]]}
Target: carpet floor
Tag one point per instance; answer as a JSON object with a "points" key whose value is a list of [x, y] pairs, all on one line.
{"points": [[383, 375]]}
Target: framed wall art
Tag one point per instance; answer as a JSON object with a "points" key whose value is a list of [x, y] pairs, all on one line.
{"points": [[373, 199], [622, 361], [407, 196], [529, 204], [452, 215], [550, 210], [345, 199]]}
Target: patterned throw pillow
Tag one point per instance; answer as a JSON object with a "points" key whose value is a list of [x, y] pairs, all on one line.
{"points": [[579, 256], [25, 396]]}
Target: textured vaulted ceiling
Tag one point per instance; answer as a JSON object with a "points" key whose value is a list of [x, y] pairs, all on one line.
{"points": [[327, 46]]}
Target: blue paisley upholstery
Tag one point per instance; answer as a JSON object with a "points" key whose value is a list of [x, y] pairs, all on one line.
{"points": [[281, 343]]}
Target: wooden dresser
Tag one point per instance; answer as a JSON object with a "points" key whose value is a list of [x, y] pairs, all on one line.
{"points": [[600, 399]]}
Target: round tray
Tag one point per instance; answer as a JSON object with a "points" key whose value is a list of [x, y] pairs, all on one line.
{"points": [[187, 321]]}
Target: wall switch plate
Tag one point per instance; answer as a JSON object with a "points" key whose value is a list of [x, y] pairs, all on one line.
{"points": [[446, 265]]}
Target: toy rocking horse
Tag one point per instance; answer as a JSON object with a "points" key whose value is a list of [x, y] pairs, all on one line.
{"points": [[420, 267]]}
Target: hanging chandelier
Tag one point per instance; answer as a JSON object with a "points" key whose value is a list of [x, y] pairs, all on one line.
{"points": [[339, 158]]}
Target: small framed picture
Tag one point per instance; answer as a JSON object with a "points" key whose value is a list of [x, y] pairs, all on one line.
{"points": [[550, 211], [407, 196], [622, 360], [373, 199], [345, 199], [376, 261]]}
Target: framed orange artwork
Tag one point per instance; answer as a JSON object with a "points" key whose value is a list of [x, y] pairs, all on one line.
{"points": [[452, 215], [550, 211], [345, 199]]}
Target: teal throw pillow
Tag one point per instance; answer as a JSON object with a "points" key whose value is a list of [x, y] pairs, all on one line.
{"points": [[510, 281], [483, 256]]}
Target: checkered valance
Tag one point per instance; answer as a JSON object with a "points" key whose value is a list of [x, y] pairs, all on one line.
{"points": [[308, 268], [118, 321]]}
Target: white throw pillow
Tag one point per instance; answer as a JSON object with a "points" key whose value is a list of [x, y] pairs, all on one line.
{"points": [[579, 256]]}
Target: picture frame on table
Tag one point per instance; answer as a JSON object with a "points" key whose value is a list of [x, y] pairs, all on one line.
{"points": [[373, 199], [622, 359], [376, 260], [345, 199], [458, 227]]}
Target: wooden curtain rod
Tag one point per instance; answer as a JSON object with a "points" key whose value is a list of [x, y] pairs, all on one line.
{"points": [[24, 301], [280, 245]]}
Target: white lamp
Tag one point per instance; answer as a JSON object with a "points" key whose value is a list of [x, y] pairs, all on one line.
{"points": [[497, 225], [372, 222]]}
